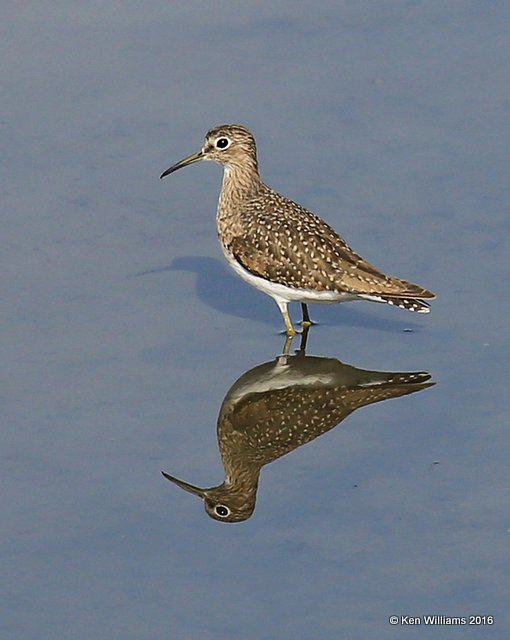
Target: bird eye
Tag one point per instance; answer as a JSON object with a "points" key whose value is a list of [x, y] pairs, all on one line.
{"points": [[221, 510], [222, 143]]}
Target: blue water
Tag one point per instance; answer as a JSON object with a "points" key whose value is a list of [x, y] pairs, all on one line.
{"points": [[123, 330]]}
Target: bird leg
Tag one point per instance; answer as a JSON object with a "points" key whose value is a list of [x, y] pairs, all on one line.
{"points": [[286, 349], [305, 322], [284, 310], [304, 339], [288, 343]]}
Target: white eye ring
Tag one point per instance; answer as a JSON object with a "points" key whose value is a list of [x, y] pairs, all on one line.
{"points": [[222, 143], [221, 510]]}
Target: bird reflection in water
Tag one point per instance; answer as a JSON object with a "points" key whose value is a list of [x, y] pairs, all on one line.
{"points": [[281, 405]]}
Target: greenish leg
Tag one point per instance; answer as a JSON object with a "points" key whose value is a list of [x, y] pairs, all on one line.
{"points": [[305, 322], [286, 346], [304, 339], [289, 328]]}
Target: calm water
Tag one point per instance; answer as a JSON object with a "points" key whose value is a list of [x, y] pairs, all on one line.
{"points": [[124, 333]]}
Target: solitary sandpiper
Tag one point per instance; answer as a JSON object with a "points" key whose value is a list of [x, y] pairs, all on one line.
{"points": [[283, 249]]}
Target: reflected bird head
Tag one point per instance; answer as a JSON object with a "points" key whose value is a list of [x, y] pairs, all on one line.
{"points": [[221, 503]]}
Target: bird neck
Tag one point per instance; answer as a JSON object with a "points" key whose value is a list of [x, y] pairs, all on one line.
{"points": [[240, 181], [241, 474]]}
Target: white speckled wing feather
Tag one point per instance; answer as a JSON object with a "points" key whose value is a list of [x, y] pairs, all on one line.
{"points": [[285, 243]]}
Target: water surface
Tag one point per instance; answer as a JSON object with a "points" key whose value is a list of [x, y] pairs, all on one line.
{"points": [[123, 330]]}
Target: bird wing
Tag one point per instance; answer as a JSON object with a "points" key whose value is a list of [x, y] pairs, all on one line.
{"points": [[295, 248]]}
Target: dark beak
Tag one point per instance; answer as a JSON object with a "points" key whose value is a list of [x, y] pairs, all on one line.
{"points": [[197, 491], [196, 157]]}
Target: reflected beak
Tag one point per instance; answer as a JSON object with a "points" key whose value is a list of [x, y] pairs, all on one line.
{"points": [[190, 488], [196, 157]]}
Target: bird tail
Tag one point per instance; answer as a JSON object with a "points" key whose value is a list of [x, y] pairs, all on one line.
{"points": [[411, 304]]}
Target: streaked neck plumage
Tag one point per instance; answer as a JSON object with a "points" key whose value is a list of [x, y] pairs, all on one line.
{"points": [[241, 182]]}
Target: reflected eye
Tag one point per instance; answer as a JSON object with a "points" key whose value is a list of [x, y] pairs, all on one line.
{"points": [[221, 510], [222, 143]]}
